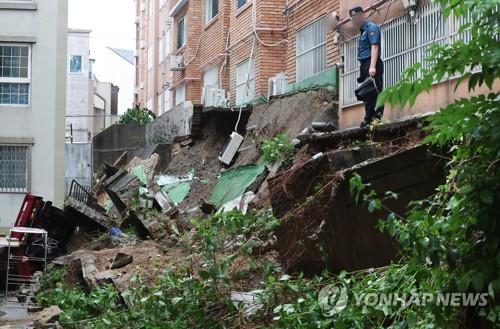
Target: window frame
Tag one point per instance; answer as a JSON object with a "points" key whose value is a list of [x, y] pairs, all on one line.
{"points": [[251, 80], [304, 52], [207, 73], [238, 6], [81, 65], [19, 80], [209, 15], [184, 31], [27, 188], [183, 85]]}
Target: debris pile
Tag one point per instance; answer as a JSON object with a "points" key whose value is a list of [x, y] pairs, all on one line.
{"points": [[195, 219]]}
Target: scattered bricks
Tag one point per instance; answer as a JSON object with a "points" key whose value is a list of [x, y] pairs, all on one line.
{"points": [[121, 259]]}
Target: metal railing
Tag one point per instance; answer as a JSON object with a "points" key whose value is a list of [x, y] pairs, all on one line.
{"points": [[80, 193], [404, 43]]}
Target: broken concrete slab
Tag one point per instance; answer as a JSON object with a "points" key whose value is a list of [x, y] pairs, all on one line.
{"points": [[121, 259], [323, 126], [348, 235], [398, 129], [105, 277], [86, 215], [167, 206], [47, 315]]}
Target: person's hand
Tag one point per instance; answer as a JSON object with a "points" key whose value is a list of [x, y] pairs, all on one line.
{"points": [[372, 71]]}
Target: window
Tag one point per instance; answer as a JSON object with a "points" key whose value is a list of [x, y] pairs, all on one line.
{"points": [[75, 64], [91, 69], [241, 3], [245, 90], [180, 94], [150, 58], [181, 32], [164, 48], [311, 49], [15, 74], [211, 9], [14, 168], [210, 77]]}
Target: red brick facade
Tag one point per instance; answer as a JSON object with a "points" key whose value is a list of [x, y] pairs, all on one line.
{"points": [[226, 41]]}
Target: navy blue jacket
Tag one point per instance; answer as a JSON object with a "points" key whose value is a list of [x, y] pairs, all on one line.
{"points": [[370, 35]]}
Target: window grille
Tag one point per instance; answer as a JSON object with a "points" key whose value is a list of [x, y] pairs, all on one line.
{"points": [[403, 44], [245, 90], [14, 168], [311, 49]]}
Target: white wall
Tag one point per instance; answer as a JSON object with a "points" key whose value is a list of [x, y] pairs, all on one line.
{"points": [[43, 120], [121, 74], [78, 88]]}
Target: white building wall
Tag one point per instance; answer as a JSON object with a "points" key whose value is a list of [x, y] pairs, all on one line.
{"points": [[43, 23], [78, 107]]}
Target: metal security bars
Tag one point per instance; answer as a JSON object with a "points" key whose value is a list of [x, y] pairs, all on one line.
{"points": [[14, 168], [403, 44], [311, 49]]}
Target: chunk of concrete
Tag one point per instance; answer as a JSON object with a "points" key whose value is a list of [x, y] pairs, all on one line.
{"points": [[121, 259], [47, 315]]}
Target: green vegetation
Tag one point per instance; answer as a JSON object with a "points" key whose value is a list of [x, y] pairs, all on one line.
{"points": [[278, 148], [137, 115]]}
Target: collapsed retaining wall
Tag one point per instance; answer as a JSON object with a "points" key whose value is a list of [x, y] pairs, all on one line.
{"points": [[112, 142], [324, 227], [171, 124]]}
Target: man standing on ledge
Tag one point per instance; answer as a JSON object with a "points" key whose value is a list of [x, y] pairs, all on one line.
{"points": [[369, 52]]}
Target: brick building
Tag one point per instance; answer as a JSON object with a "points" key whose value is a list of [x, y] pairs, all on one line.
{"points": [[229, 49]]}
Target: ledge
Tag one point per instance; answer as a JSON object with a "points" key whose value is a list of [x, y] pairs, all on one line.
{"points": [[243, 8], [17, 140], [18, 5], [18, 38], [211, 22]]}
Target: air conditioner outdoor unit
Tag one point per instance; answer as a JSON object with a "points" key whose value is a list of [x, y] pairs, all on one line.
{"points": [[278, 84], [141, 85], [143, 6], [136, 91], [143, 44], [231, 148], [176, 63], [213, 96]]}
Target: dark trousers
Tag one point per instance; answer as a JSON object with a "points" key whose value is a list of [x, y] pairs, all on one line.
{"points": [[370, 111]]}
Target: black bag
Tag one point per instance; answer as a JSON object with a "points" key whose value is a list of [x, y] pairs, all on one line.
{"points": [[366, 89]]}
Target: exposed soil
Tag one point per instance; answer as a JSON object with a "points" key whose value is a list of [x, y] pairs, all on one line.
{"points": [[287, 115]]}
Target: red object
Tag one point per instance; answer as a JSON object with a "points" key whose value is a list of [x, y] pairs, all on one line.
{"points": [[31, 207]]}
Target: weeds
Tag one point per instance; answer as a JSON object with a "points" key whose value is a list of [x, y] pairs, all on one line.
{"points": [[278, 148]]}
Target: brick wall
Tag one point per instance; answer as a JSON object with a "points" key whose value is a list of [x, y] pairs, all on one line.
{"points": [[304, 13]]}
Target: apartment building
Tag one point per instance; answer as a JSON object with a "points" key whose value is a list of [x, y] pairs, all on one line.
{"points": [[230, 49], [32, 102]]}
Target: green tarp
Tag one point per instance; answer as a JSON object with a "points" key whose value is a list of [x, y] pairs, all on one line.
{"points": [[234, 182], [177, 191]]}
